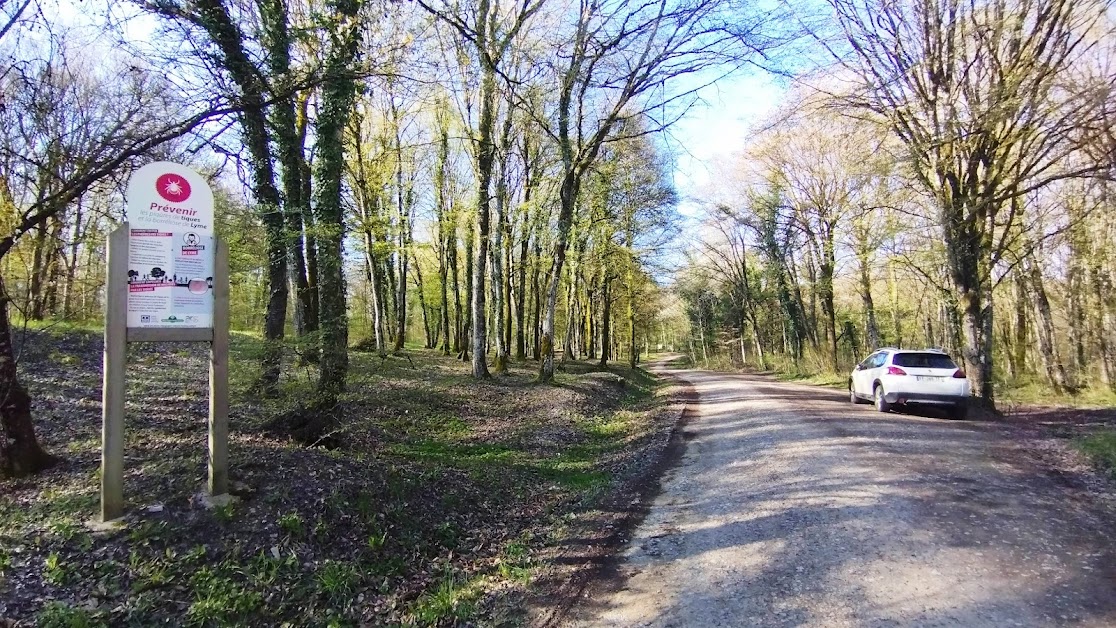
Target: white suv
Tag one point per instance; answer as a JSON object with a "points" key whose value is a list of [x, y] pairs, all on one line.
{"points": [[892, 377]]}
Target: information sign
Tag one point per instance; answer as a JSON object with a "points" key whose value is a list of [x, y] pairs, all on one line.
{"points": [[170, 248]]}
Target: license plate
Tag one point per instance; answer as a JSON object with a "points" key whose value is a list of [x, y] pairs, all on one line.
{"points": [[928, 378]]}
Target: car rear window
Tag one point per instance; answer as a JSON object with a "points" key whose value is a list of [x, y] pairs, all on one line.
{"points": [[924, 360]]}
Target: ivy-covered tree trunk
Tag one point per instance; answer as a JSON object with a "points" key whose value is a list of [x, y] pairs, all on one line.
{"points": [[338, 94], [310, 244], [213, 16], [289, 141]]}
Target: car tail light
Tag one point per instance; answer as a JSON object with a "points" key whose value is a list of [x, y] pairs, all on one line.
{"points": [[895, 370], [959, 374]]}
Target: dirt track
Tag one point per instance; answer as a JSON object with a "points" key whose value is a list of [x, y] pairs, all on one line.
{"points": [[792, 507]]}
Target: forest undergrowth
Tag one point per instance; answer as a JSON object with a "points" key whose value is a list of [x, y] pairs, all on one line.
{"points": [[438, 506]]}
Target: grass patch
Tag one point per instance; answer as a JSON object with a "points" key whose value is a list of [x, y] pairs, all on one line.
{"points": [[479, 454], [452, 600], [829, 380], [220, 600], [1100, 448], [56, 614], [1036, 393], [337, 580]]}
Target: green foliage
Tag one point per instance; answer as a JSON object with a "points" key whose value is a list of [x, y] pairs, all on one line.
{"points": [[376, 540], [452, 600], [54, 571], [224, 513], [337, 580], [55, 614], [515, 562], [292, 524], [147, 531], [218, 599], [68, 531], [266, 569]]}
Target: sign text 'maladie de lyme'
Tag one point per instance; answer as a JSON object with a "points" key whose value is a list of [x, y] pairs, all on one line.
{"points": [[170, 248]]}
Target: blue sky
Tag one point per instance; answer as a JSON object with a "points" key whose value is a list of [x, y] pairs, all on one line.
{"points": [[712, 134]]}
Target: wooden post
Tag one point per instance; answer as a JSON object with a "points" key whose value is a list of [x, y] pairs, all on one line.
{"points": [[116, 355], [219, 376]]}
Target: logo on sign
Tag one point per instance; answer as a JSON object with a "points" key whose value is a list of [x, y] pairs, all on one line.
{"points": [[173, 188]]}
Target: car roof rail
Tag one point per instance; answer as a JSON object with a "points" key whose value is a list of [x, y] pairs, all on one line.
{"points": [[935, 350], [888, 349]]}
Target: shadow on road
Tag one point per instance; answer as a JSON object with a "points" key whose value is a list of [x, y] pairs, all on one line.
{"points": [[789, 509]]}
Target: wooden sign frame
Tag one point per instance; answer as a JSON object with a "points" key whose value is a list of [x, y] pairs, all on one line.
{"points": [[117, 337]]}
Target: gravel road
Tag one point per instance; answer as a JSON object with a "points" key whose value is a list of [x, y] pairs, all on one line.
{"points": [[793, 507]]}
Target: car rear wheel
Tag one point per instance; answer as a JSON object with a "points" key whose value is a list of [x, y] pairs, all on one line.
{"points": [[881, 404], [961, 411]]}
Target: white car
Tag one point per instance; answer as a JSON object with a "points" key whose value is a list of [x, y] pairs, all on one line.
{"points": [[891, 377]]}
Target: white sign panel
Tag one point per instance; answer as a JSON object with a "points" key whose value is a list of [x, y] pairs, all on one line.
{"points": [[170, 248]]}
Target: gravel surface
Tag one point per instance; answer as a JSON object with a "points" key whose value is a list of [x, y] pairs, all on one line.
{"points": [[792, 507]]}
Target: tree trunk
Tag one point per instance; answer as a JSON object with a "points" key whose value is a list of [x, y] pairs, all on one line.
{"points": [[1017, 348], [606, 321], [569, 351], [977, 350], [214, 16], [871, 325], [35, 300], [486, 155], [509, 291], [403, 208], [536, 293], [368, 216], [422, 305], [497, 253], [896, 319], [1103, 319], [521, 295], [289, 141], [633, 355], [470, 276], [20, 453], [372, 270], [79, 234], [401, 301], [1076, 291], [445, 240], [338, 94], [458, 318], [312, 303]]}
